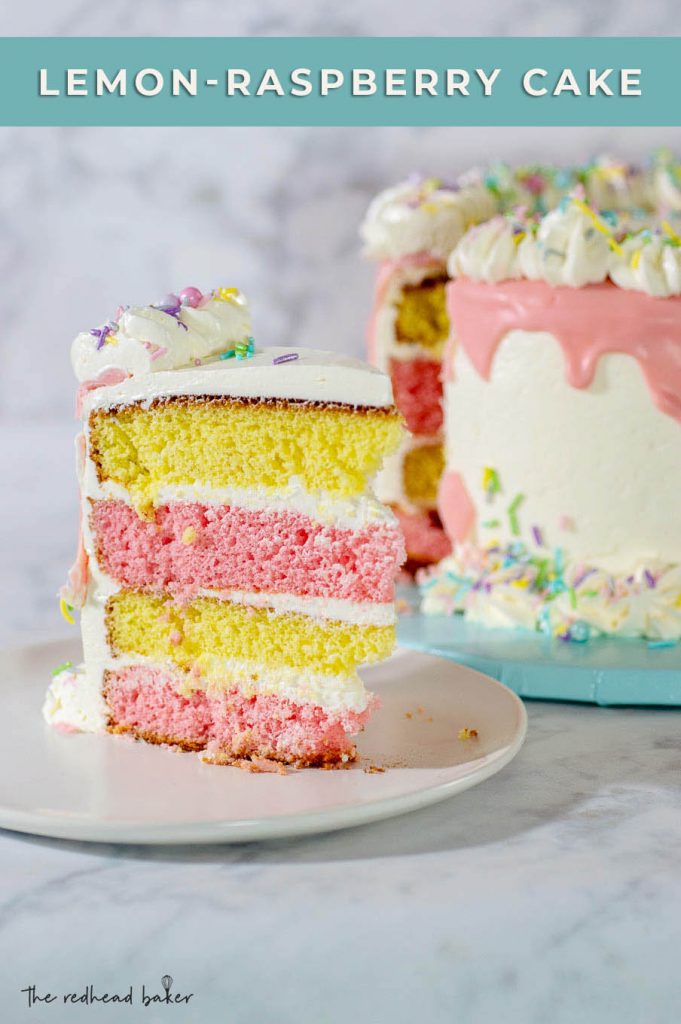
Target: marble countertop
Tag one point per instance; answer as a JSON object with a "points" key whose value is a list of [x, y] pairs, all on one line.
{"points": [[550, 892]]}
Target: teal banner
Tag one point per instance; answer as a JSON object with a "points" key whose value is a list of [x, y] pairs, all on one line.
{"points": [[340, 81]]}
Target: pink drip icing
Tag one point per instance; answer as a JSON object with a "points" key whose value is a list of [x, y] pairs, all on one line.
{"points": [[105, 379], [587, 322], [386, 273], [455, 507]]}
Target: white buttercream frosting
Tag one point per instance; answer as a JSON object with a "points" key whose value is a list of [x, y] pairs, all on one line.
{"points": [[648, 262], [150, 339], [424, 215], [74, 702], [569, 552], [613, 184], [598, 466], [312, 376], [489, 251], [570, 247]]}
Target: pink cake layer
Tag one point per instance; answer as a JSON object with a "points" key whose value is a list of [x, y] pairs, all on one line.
{"points": [[418, 393], [424, 537], [144, 701], [187, 546]]}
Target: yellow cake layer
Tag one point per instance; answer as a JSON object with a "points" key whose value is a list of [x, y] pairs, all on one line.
{"points": [[422, 314], [223, 443], [208, 629], [421, 471]]}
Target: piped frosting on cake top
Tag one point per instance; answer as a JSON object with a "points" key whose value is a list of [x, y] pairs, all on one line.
{"points": [[429, 215], [424, 215], [174, 333], [198, 344], [572, 245]]}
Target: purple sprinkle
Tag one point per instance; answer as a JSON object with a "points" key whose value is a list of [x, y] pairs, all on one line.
{"points": [[101, 333], [288, 358], [580, 579], [650, 579], [173, 311], [538, 539]]}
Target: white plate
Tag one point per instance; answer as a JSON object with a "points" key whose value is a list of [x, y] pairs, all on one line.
{"points": [[111, 789]]}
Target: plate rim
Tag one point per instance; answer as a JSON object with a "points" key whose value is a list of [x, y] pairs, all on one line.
{"points": [[244, 830]]}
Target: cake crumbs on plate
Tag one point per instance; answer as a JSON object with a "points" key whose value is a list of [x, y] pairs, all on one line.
{"points": [[468, 734], [373, 769], [256, 765]]}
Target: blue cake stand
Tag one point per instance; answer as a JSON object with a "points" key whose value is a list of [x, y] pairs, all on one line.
{"points": [[605, 671]]}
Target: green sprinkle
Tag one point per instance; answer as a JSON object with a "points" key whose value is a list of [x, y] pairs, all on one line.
{"points": [[490, 481], [573, 597], [512, 514], [62, 668], [229, 354], [541, 575], [491, 524]]}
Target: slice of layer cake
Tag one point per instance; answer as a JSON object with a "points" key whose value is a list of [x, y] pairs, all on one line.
{"points": [[235, 568], [562, 490]]}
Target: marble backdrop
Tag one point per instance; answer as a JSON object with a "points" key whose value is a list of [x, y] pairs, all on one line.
{"points": [[93, 217]]}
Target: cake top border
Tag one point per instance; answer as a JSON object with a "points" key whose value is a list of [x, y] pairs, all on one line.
{"points": [[572, 245], [428, 214]]}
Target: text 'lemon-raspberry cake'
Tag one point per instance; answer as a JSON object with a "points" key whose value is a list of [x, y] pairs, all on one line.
{"points": [[234, 568]]}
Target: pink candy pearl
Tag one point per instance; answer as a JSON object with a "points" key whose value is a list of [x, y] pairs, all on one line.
{"points": [[190, 297]]}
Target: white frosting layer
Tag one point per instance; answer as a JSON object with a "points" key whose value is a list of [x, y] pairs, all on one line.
{"points": [[145, 340], [423, 215], [359, 613], [345, 513], [599, 467], [332, 693], [74, 701], [314, 376]]}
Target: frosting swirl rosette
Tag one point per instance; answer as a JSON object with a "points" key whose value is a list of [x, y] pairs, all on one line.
{"points": [[168, 336], [424, 215], [649, 262], [489, 252], [571, 247]]}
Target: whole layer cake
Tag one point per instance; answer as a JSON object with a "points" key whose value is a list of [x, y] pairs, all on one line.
{"points": [[411, 229], [235, 569], [562, 488]]}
